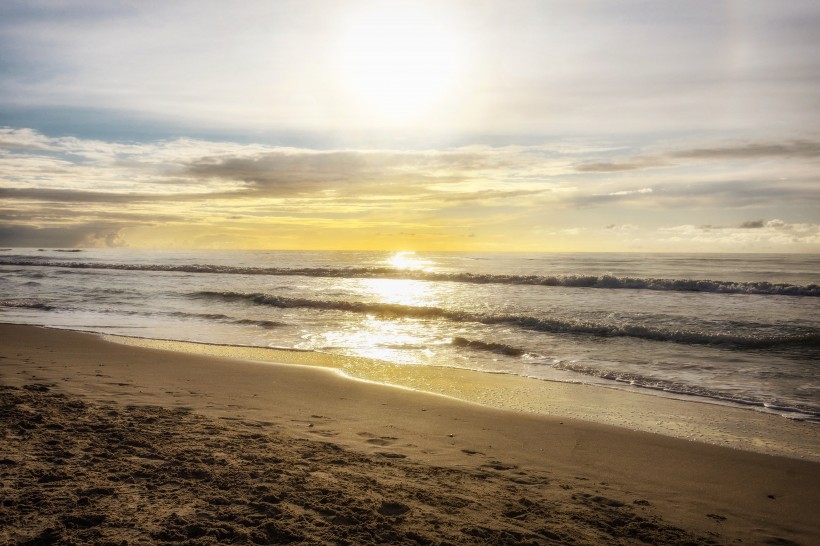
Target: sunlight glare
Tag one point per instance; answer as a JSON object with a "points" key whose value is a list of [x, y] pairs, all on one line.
{"points": [[402, 342], [409, 261], [400, 292]]}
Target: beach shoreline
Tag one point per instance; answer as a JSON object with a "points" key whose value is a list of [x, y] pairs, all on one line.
{"points": [[686, 417], [685, 491]]}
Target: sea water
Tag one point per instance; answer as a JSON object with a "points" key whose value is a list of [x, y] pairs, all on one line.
{"points": [[732, 329]]}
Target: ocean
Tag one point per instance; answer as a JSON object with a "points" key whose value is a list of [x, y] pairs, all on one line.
{"points": [[730, 329]]}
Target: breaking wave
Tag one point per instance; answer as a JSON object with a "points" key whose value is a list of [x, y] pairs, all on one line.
{"points": [[547, 325], [219, 317], [498, 348], [568, 281], [27, 304]]}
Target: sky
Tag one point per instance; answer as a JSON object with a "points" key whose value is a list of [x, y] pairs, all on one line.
{"points": [[474, 125]]}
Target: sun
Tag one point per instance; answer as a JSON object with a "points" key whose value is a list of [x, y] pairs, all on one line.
{"points": [[398, 61]]}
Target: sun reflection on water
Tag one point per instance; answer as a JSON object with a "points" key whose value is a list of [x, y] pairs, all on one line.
{"points": [[410, 261], [404, 341], [400, 291], [382, 336]]}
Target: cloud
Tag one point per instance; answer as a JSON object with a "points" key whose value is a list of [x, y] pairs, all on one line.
{"points": [[754, 150], [461, 173], [23, 139], [619, 196], [629, 192], [771, 236], [73, 236], [482, 195], [787, 149], [94, 190], [621, 227], [35, 168], [47, 181], [709, 194], [739, 193], [633, 165], [48, 195], [285, 173]]}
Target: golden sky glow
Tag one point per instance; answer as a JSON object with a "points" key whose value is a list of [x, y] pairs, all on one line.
{"points": [[398, 125]]}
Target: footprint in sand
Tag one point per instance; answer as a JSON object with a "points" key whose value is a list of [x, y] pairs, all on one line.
{"points": [[383, 441], [372, 439], [391, 455]]}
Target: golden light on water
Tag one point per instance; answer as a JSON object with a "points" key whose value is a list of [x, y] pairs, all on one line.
{"points": [[400, 339], [409, 261], [388, 338], [401, 292], [405, 291]]}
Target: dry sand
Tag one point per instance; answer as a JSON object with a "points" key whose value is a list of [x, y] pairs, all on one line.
{"points": [[107, 444]]}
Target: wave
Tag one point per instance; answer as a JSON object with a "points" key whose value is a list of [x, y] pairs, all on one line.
{"points": [[219, 317], [27, 304], [264, 324], [567, 281], [547, 325], [671, 387], [216, 317], [498, 348]]}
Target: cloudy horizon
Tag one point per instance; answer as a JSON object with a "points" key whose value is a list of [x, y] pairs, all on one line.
{"points": [[523, 126]]}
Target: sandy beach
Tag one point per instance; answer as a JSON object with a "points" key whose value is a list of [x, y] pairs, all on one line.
{"points": [[104, 443]]}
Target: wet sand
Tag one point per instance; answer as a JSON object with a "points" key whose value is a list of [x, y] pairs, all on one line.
{"points": [[103, 443]]}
